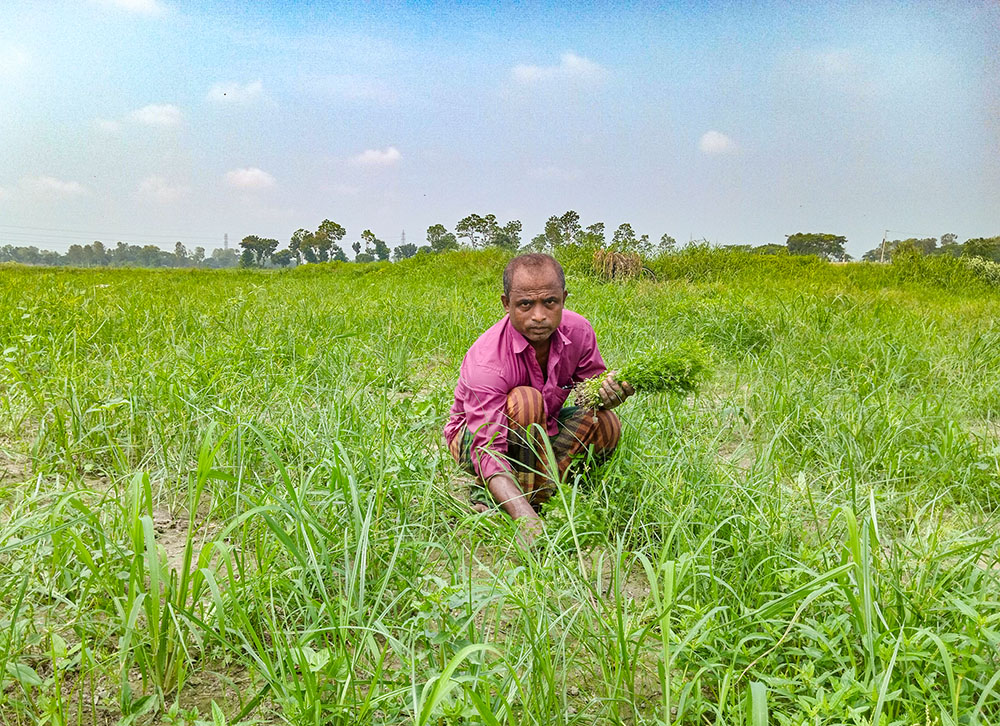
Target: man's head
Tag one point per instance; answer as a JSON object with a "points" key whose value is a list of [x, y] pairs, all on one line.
{"points": [[534, 291]]}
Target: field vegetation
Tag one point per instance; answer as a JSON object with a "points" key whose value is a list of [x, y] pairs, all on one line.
{"points": [[225, 499]]}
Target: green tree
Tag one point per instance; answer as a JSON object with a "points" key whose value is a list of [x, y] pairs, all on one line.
{"points": [[338, 254], [282, 258], [375, 247], [99, 254], [247, 258], [476, 230], [440, 239], [75, 256], [198, 256], [624, 239], [180, 255], [592, 236], [403, 252], [301, 245], [260, 248], [913, 245], [827, 246], [327, 235], [538, 243], [950, 245], [667, 245], [509, 236], [486, 231], [151, 256], [644, 247], [222, 258], [560, 231], [987, 248]]}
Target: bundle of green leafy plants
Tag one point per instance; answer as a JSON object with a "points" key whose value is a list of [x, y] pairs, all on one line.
{"points": [[667, 370]]}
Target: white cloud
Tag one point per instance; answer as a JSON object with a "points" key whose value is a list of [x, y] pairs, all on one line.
{"points": [[160, 190], [250, 178], [236, 93], [52, 187], [4, 194], [157, 115], [571, 67], [377, 157], [716, 142], [140, 7], [108, 126]]}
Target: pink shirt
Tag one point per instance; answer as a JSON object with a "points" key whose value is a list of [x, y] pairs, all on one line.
{"points": [[502, 359]]}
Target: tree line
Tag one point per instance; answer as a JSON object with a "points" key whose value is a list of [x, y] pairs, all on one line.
{"points": [[987, 248], [96, 254], [475, 231]]}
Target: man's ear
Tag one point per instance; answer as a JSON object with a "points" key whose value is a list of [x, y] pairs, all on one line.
{"points": [[505, 301], [565, 295]]}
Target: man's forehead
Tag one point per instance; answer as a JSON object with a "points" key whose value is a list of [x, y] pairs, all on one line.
{"points": [[536, 278], [535, 290]]}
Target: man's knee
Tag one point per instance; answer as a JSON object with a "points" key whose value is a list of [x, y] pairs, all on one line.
{"points": [[608, 432], [525, 406]]}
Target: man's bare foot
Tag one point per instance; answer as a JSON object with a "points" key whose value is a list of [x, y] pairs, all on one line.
{"points": [[480, 508]]}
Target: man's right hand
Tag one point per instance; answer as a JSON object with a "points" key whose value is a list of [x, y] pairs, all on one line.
{"points": [[514, 502]]}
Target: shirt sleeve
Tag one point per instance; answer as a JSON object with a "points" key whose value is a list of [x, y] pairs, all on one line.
{"points": [[591, 363], [486, 418]]}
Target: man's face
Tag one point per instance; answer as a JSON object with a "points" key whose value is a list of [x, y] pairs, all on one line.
{"points": [[535, 304]]}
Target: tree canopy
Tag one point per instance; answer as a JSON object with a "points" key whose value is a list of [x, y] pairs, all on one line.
{"points": [[827, 246]]}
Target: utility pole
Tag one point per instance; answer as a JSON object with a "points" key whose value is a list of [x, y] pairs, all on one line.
{"points": [[225, 241], [882, 255], [402, 238]]}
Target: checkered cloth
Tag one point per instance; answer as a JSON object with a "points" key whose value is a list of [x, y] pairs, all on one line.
{"points": [[580, 429]]}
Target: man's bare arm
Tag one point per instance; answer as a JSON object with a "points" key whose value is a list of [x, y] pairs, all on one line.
{"points": [[508, 494]]}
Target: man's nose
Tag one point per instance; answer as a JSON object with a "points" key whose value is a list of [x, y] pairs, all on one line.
{"points": [[538, 313]]}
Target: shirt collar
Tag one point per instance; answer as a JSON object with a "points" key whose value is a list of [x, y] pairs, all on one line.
{"points": [[521, 344]]}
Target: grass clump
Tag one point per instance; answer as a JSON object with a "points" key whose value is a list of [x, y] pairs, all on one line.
{"points": [[677, 370]]}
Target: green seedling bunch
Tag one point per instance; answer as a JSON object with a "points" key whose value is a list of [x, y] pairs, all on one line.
{"points": [[675, 370]]}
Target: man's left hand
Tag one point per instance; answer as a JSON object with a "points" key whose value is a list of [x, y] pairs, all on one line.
{"points": [[614, 393]]}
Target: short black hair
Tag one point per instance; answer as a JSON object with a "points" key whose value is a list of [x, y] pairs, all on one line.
{"points": [[534, 260]]}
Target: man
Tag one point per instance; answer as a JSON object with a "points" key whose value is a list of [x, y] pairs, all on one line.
{"points": [[511, 389]]}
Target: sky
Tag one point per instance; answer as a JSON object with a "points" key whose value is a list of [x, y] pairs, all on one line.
{"points": [[155, 121]]}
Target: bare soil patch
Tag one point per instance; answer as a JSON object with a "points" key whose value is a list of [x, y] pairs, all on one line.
{"points": [[14, 468]]}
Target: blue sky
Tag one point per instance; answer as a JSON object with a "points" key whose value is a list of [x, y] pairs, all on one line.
{"points": [[158, 120]]}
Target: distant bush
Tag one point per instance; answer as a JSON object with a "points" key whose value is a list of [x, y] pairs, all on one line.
{"points": [[909, 265], [703, 263], [988, 272]]}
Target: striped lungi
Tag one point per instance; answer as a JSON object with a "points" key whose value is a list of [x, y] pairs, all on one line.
{"points": [[580, 430]]}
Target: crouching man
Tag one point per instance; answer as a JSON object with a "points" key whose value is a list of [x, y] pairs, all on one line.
{"points": [[511, 389]]}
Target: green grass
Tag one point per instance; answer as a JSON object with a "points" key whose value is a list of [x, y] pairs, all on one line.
{"points": [[229, 486]]}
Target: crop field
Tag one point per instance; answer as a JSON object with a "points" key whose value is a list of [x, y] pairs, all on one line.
{"points": [[225, 499]]}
